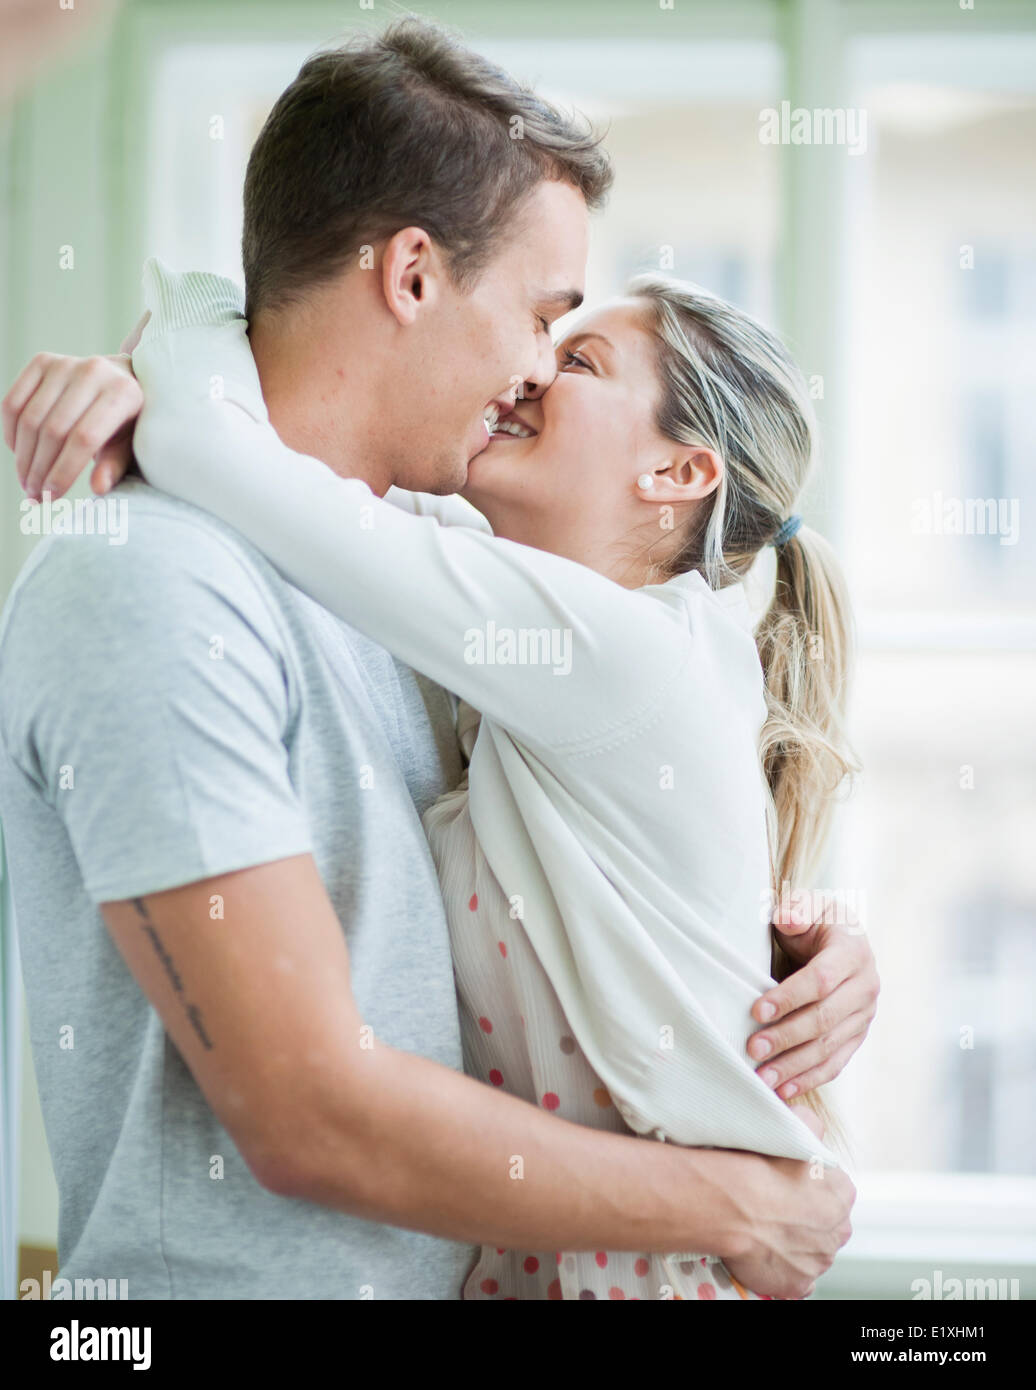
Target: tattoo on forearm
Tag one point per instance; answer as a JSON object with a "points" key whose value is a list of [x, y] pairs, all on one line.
{"points": [[192, 1010]]}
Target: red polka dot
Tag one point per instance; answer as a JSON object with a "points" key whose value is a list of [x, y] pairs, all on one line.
{"points": [[503, 948], [485, 1025], [489, 1286], [641, 1267], [554, 1289], [496, 1077], [531, 1264], [557, 1257], [613, 1292], [706, 1290], [501, 1252], [601, 1258], [551, 1101], [473, 901]]}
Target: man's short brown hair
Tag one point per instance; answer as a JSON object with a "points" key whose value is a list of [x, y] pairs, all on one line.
{"points": [[408, 128]]}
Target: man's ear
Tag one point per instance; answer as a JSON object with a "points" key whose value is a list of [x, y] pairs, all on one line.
{"points": [[410, 270]]}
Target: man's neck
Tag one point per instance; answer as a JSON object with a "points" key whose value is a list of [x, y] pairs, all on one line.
{"points": [[318, 407]]}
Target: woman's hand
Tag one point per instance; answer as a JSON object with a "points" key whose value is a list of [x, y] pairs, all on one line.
{"points": [[62, 412]]}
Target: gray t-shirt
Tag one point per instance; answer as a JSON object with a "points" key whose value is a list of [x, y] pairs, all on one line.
{"points": [[171, 709]]}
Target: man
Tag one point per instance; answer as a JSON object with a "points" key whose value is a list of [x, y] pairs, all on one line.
{"points": [[250, 1080]]}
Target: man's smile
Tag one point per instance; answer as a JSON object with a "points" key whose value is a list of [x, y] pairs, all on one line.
{"points": [[507, 425]]}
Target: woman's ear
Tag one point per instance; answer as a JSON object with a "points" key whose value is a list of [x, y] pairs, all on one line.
{"points": [[409, 267], [690, 476]]}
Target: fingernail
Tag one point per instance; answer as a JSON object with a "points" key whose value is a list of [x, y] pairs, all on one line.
{"points": [[767, 1011], [760, 1047], [769, 1076], [790, 1090]]}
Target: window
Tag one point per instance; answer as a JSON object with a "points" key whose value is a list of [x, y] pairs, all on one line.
{"points": [[939, 484]]}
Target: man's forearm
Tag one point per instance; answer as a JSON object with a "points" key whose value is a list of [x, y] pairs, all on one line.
{"points": [[435, 1151]]}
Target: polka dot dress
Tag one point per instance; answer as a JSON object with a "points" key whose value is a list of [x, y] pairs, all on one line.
{"points": [[515, 1036]]}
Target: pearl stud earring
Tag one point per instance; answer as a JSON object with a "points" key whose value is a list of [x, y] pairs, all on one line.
{"points": [[645, 482]]}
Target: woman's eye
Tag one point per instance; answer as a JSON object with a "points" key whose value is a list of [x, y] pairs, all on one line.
{"points": [[544, 324], [573, 359]]}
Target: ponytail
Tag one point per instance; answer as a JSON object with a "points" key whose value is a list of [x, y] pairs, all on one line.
{"points": [[805, 646]]}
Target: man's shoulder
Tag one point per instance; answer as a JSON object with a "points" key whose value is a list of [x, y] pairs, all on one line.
{"points": [[137, 549], [133, 526], [150, 592]]}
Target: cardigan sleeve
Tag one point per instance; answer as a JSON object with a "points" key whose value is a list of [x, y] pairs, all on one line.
{"points": [[531, 639], [451, 510]]}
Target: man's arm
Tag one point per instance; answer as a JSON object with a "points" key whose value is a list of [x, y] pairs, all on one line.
{"points": [[819, 1015], [259, 1005]]}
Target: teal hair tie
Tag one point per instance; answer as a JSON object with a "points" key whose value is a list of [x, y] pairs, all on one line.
{"points": [[787, 531]]}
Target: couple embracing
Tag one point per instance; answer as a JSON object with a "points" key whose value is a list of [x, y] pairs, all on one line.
{"points": [[395, 971]]}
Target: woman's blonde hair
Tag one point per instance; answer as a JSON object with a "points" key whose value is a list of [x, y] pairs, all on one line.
{"points": [[729, 385]]}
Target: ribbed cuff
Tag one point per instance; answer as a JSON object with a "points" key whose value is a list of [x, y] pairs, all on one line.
{"points": [[187, 299]]}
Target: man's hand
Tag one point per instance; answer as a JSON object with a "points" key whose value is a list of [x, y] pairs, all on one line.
{"points": [[794, 1219], [62, 412], [820, 1014]]}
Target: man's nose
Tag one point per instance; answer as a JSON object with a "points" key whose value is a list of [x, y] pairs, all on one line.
{"points": [[543, 375]]}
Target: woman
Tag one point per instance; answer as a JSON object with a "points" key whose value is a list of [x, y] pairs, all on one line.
{"points": [[650, 762]]}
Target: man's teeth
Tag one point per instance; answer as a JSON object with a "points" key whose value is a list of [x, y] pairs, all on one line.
{"points": [[495, 426]]}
